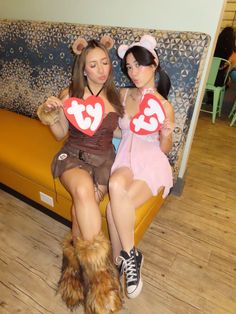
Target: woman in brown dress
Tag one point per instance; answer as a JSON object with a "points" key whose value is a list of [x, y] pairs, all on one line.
{"points": [[83, 166]]}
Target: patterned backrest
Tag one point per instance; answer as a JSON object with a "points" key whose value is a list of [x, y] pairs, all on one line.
{"points": [[36, 61]]}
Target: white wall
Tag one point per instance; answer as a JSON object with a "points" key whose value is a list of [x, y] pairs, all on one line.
{"points": [[184, 15], [197, 15]]}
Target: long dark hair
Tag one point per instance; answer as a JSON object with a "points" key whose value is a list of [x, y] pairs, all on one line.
{"points": [[225, 45], [79, 80], [145, 58]]}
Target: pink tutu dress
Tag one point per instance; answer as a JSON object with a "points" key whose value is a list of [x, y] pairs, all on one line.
{"points": [[142, 154]]}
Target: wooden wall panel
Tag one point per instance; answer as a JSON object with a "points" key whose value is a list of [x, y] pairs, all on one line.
{"points": [[229, 18]]}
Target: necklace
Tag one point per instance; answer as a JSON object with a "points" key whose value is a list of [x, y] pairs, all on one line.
{"points": [[149, 90], [142, 93], [92, 91], [145, 91]]}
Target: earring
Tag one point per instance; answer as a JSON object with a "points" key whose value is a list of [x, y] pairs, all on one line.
{"points": [[85, 74]]}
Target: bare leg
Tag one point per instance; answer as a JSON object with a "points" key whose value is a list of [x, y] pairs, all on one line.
{"points": [[115, 240], [126, 194], [99, 193], [85, 205], [75, 227]]}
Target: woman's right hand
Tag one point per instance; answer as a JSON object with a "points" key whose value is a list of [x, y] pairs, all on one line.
{"points": [[49, 111], [52, 103]]}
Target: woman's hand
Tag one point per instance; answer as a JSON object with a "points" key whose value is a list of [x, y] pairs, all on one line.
{"points": [[51, 104], [167, 128], [49, 111]]}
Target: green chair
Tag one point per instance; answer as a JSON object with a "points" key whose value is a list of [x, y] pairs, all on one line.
{"points": [[233, 113], [218, 91]]}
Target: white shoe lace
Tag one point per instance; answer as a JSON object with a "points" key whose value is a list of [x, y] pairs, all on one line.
{"points": [[128, 265]]}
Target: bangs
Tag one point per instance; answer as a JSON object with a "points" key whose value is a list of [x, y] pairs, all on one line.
{"points": [[141, 55]]}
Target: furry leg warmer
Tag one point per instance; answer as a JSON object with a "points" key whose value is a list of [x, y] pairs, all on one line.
{"points": [[70, 285], [101, 279]]}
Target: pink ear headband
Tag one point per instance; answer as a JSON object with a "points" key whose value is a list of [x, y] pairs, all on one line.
{"points": [[146, 41]]}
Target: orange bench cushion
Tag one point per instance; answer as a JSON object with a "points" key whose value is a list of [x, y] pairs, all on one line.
{"points": [[26, 150]]}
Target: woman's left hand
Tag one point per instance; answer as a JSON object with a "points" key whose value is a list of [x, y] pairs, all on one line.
{"points": [[167, 128]]}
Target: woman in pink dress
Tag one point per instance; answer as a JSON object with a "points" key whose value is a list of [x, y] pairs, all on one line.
{"points": [[141, 168]]}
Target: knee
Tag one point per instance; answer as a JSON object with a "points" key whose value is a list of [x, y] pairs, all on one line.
{"points": [[82, 193], [116, 184]]}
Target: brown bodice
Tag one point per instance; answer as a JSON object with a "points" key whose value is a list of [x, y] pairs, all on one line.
{"points": [[100, 141]]}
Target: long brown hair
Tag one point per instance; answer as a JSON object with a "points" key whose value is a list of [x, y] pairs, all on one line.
{"points": [[79, 80]]}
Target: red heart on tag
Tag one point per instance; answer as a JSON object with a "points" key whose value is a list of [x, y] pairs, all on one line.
{"points": [[150, 117], [86, 115]]}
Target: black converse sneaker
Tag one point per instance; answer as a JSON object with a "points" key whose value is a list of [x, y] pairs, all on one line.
{"points": [[131, 265]]}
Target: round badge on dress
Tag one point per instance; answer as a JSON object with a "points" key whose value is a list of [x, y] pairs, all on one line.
{"points": [[62, 156]]}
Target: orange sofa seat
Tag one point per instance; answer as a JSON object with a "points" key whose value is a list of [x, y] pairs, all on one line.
{"points": [[26, 150]]}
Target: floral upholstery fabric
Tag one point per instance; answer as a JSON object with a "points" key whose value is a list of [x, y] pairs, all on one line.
{"points": [[36, 61]]}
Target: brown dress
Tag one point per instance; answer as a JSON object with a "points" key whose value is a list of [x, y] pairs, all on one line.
{"points": [[94, 154]]}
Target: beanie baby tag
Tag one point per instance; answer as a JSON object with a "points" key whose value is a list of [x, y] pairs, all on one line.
{"points": [[150, 117], [85, 115]]}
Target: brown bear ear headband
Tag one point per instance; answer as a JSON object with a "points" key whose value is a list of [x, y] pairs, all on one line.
{"points": [[146, 41], [80, 43]]}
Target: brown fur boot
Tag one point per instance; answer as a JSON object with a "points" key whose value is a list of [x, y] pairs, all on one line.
{"points": [[70, 285], [102, 286]]}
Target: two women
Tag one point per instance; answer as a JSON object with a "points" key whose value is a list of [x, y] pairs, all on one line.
{"points": [[141, 169]]}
